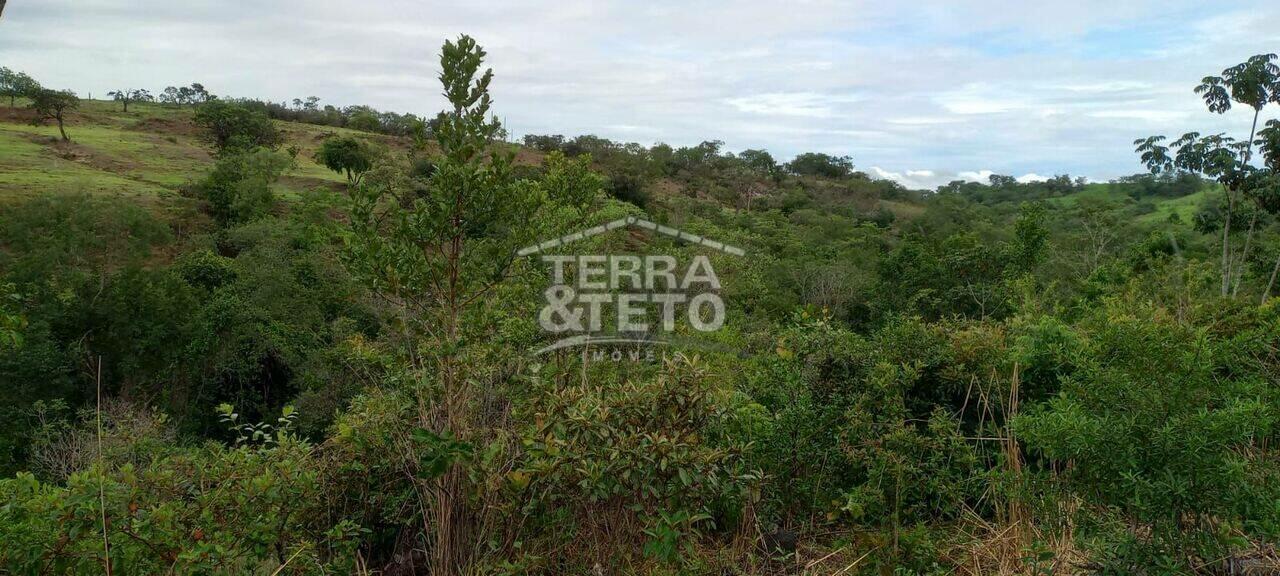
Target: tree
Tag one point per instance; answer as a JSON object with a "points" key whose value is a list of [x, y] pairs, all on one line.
{"points": [[131, 95], [180, 95], [436, 252], [1267, 184], [53, 105], [818, 164], [1253, 83], [363, 118], [1002, 181], [759, 161], [232, 125], [16, 84], [346, 155]]}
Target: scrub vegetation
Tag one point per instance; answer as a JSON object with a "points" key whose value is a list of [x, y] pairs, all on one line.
{"points": [[245, 337]]}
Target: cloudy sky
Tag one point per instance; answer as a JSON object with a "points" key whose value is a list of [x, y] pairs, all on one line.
{"points": [[922, 92]]}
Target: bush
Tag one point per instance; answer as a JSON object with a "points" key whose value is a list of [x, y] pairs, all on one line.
{"points": [[643, 459], [204, 510], [239, 188], [1154, 427], [235, 126]]}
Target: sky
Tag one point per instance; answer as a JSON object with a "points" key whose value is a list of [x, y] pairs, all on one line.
{"points": [[922, 92]]}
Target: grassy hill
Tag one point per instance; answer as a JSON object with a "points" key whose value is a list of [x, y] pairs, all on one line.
{"points": [[147, 154], [151, 152]]}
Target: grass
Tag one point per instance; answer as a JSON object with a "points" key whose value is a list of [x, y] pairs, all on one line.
{"points": [[148, 153], [28, 168], [1185, 207]]}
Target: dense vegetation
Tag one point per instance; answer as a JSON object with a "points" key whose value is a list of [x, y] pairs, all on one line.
{"points": [[247, 338]]}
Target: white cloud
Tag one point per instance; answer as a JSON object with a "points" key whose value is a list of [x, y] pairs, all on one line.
{"points": [[913, 179], [981, 98], [784, 104], [1156, 116]]}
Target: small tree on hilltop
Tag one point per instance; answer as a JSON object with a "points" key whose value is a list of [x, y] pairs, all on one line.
{"points": [[54, 105], [229, 125], [818, 164], [131, 95], [346, 155]]}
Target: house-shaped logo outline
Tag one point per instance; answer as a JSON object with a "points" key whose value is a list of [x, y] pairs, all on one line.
{"points": [[630, 221]]}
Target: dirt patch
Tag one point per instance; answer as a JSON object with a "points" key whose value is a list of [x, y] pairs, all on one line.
{"points": [[305, 183], [666, 188], [88, 156], [528, 157], [17, 115], [165, 126]]}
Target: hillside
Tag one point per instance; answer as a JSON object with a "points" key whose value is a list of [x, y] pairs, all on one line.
{"points": [[148, 154], [151, 152]]}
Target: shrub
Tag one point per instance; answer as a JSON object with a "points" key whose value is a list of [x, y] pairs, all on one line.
{"points": [[239, 188], [203, 510], [234, 126], [1154, 428], [641, 459], [346, 155]]}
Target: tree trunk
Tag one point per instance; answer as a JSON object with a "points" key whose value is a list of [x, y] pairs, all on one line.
{"points": [[62, 130], [1267, 294], [1231, 205], [1248, 155], [1226, 242], [1244, 256], [126, 105]]}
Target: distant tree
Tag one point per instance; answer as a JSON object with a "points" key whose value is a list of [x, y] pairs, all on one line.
{"points": [[759, 161], [544, 143], [1002, 181], [131, 95], [701, 156], [53, 105], [363, 118], [16, 85], [818, 164], [231, 125], [757, 165], [199, 95], [1254, 83], [185, 95], [1030, 237], [346, 155], [7, 85]]}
